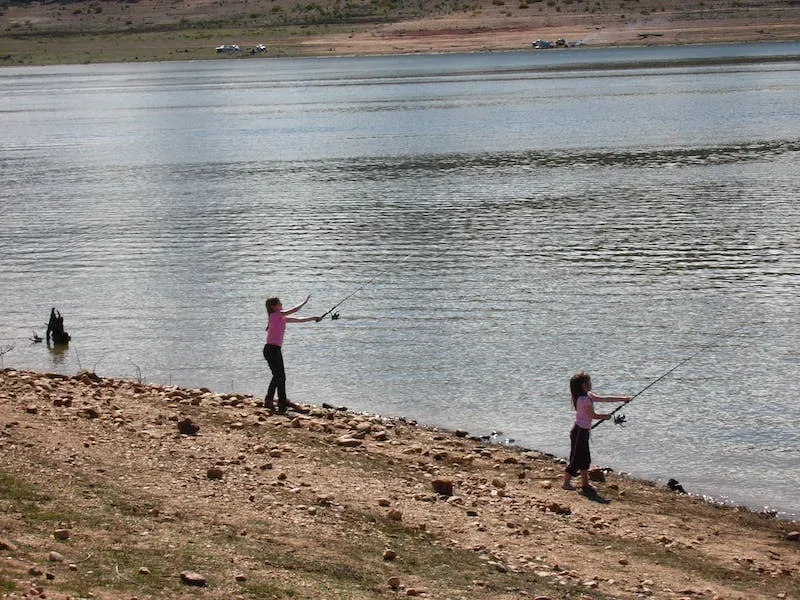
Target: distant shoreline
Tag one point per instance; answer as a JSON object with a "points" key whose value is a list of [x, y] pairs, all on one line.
{"points": [[45, 34]]}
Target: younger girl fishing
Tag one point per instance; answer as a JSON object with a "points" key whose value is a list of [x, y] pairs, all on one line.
{"points": [[583, 399], [276, 327]]}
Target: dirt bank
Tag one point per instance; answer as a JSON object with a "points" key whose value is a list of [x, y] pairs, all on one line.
{"points": [[325, 503]]}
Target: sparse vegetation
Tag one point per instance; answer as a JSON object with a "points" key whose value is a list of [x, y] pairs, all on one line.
{"points": [[295, 514]]}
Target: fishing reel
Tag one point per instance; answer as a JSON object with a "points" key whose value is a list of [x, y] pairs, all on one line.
{"points": [[335, 316], [619, 420]]}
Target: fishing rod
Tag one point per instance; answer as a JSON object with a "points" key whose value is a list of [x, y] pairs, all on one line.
{"points": [[335, 316], [620, 419]]}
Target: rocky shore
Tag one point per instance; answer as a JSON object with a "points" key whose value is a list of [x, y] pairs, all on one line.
{"points": [[119, 489]]}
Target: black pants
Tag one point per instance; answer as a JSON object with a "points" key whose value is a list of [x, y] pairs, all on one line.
{"points": [[579, 457], [278, 382]]}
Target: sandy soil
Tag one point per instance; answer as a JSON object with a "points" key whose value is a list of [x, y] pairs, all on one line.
{"points": [[325, 503], [466, 34]]}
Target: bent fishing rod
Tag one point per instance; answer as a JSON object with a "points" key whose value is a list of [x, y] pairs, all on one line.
{"points": [[335, 316], [620, 419]]}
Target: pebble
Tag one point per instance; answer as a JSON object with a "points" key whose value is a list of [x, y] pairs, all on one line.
{"points": [[193, 579]]}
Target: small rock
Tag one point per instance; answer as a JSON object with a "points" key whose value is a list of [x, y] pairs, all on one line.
{"points": [[597, 474], [675, 486], [348, 441], [559, 509], [144, 571], [443, 486], [384, 502], [6, 545], [461, 433], [55, 557], [215, 473], [793, 536], [35, 571], [389, 554], [188, 427], [241, 577], [89, 413], [87, 377], [498, 566], [61, 534], [394, 515], [394, 582], [193, 579]]}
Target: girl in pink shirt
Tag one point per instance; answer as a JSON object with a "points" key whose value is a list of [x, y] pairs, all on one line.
{"points": [[583, 400], [277, 318]]}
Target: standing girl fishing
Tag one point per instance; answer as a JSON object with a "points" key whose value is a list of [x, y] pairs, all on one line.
{"points": [[276, 327], [583, 399]]}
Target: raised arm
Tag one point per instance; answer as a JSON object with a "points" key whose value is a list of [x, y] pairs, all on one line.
{"points": [[296, 308]]}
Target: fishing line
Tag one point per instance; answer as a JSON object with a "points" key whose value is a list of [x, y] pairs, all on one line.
{"points": [[335, 316], [620, 419]]}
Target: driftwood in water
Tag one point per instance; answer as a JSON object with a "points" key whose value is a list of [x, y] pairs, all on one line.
{"points": [[55, 329]]}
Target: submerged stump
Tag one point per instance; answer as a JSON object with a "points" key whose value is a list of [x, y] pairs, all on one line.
{"points": [[55, 329]]}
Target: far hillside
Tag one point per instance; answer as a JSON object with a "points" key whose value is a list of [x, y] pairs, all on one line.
{"points": [[180, 29]]}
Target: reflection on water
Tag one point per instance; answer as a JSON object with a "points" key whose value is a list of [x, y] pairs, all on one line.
{"points": [[58, 354], [505, 227]]}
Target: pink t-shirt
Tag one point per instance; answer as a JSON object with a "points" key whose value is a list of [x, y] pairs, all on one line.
{"points": [[584, 408], [276, 328]]}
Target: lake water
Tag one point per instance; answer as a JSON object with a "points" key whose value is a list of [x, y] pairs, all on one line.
{"points": [[505, 220]]}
